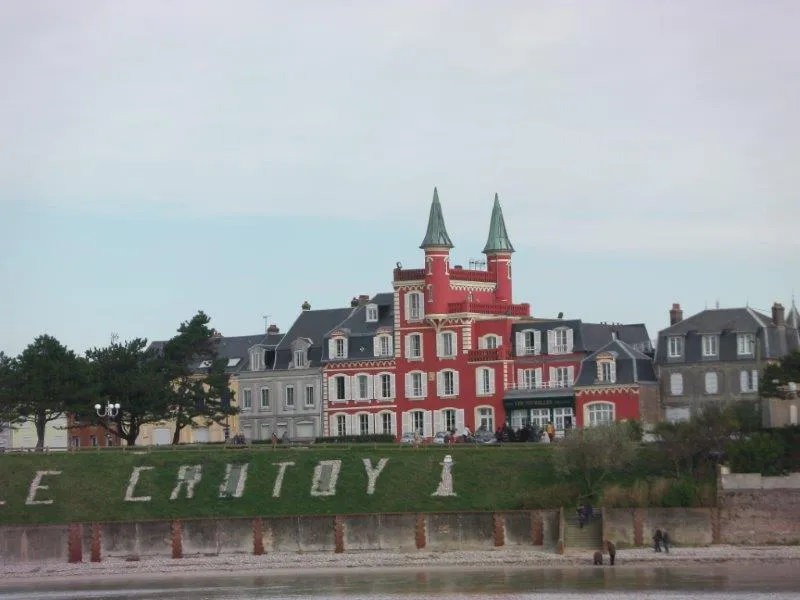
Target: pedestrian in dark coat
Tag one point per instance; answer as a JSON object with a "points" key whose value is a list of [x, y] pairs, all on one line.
{"points": [[612, 553], [657, 539]]}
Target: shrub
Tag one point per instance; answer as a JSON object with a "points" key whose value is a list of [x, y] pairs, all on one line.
{"points": [[758, 453], [681, 493], [658, 489]]}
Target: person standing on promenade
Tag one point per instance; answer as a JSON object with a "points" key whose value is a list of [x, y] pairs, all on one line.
{"points": [[612, 552], [657, 539]]}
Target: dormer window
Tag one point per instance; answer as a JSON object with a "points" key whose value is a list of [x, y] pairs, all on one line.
{"points": [[300, 361], [710, 346], [528, 342], [372, 313], [559, 341], [383, 345], [675, 346], [606, 369], [337, 347], [746, 344]]}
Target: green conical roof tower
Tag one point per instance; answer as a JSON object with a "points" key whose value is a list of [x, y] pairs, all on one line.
{"points": [[436, 235], [498, 236]]}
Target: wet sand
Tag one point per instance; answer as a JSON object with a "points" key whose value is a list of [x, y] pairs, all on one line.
{"points": [[15, 574]]}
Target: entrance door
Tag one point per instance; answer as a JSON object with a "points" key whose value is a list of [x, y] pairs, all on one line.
{"points": [[162, 436], [200, 435]]}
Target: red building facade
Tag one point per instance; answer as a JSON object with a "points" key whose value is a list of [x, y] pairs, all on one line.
{"points": [[452, 334]]}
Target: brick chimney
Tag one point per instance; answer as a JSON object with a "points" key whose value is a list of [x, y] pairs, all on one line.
{"points": [[778, 314], [363, 299], [273, 329], [675, 314]]}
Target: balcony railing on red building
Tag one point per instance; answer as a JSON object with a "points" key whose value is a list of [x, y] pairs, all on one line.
{"points": [[484, 354], [472, 275], [490, 308], [556, 384], [409, 274]]}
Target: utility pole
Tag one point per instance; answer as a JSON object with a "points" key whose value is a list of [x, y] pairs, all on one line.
{"points": [[266, 322]]}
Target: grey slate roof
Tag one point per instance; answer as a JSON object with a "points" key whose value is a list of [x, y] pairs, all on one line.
{"points": [[232, 348], [588, 337], [632, 366], [772, 341], [360, 333], [311, 325]]}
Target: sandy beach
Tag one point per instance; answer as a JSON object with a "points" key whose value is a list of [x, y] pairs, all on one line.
{"points": [[115, 568]]}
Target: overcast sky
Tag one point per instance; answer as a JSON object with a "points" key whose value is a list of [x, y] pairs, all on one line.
{"points": [[240, 157]]}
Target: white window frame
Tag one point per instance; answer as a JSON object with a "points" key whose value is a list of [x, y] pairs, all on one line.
{"points": [[529, 379], [417, 420], [676, 384], [529, 342], [444, 388], [387, 423], [300, 359], [484, 381], [415, 306], [381, 381], [288, 394], [412, 389], [711, 383], [339, 347], [484, 417], [357, 388], [264, 398], [560, 414], [313, 397], [748, 381], [445, 338], [247, 399], [383, 345], [599, 413], [675, 346], [490, 341], [410, 347], [710, 346], [560, 346], [745, 344], [372, 313], [608, 371], [343, 379], [363, 424], [341, 425]]}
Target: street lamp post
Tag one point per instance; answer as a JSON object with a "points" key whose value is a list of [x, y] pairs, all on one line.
{"points": [[109, 410]]}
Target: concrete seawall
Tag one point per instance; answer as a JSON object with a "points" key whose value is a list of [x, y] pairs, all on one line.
{"points": [[210, 537]]}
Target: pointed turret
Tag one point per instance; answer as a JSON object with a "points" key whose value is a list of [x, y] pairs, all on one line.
{"points": [[436, 235], [498, 236]]}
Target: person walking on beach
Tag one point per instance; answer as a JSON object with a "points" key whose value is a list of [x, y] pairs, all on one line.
{"points": [[657, 539], [665, 539], [612, 552]]}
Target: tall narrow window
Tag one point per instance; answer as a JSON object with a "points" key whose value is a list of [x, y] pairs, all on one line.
{"points": [[341, 425], [309, 396], [675, 346], [264, 398], [709, 345], [676, 384], [712, 383]]}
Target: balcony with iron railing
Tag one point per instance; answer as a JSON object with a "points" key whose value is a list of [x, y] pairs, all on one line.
{"points": [[472, 275], [488, 354], [539, 386], [490, 308]]}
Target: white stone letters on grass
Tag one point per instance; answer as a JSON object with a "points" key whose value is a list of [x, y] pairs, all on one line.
{"points": [[446, 482], [189, 476], [372, 474], [282, 466], [239, 472], [36, 485], [326, 473], [129, 497]]}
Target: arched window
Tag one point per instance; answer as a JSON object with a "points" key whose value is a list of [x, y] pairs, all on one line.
{"points": [[599, 413]]}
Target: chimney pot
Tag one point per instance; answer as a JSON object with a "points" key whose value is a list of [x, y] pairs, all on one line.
{"points": [[778, 314], [353, 302], [675, 314], [306, 305], [363, 299], [273, 329]]}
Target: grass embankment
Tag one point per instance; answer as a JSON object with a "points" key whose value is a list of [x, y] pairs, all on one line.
{"points": [[92, 485]]}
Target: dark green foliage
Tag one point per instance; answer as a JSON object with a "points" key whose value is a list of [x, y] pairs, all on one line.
{"points": [[761, 452], [198, 392], [43, 383], [128, 374], [775, 377], [680, 494]]}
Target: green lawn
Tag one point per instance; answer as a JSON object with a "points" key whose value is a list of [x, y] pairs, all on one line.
{"points": [[92, 485]]}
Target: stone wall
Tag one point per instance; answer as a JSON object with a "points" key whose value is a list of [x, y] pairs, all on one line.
{"points": [[211, 537]]}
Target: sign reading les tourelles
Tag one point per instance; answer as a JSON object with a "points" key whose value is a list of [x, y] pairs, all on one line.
{"points": [[323, 481]]}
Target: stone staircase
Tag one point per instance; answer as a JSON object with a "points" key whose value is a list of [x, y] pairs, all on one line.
{"points": [[589, 537]]}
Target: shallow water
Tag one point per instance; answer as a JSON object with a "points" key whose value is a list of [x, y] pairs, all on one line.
{"points": [[752, 581]]}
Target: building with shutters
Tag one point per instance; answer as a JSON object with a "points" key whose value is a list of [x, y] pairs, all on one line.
{"points": [[549, 357], [359, 385], [617, 382], [452, 333], [715, 356], [280, 391]]}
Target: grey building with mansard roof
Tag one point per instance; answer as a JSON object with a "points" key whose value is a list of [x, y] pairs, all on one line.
{"points": [[716, 355]]}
